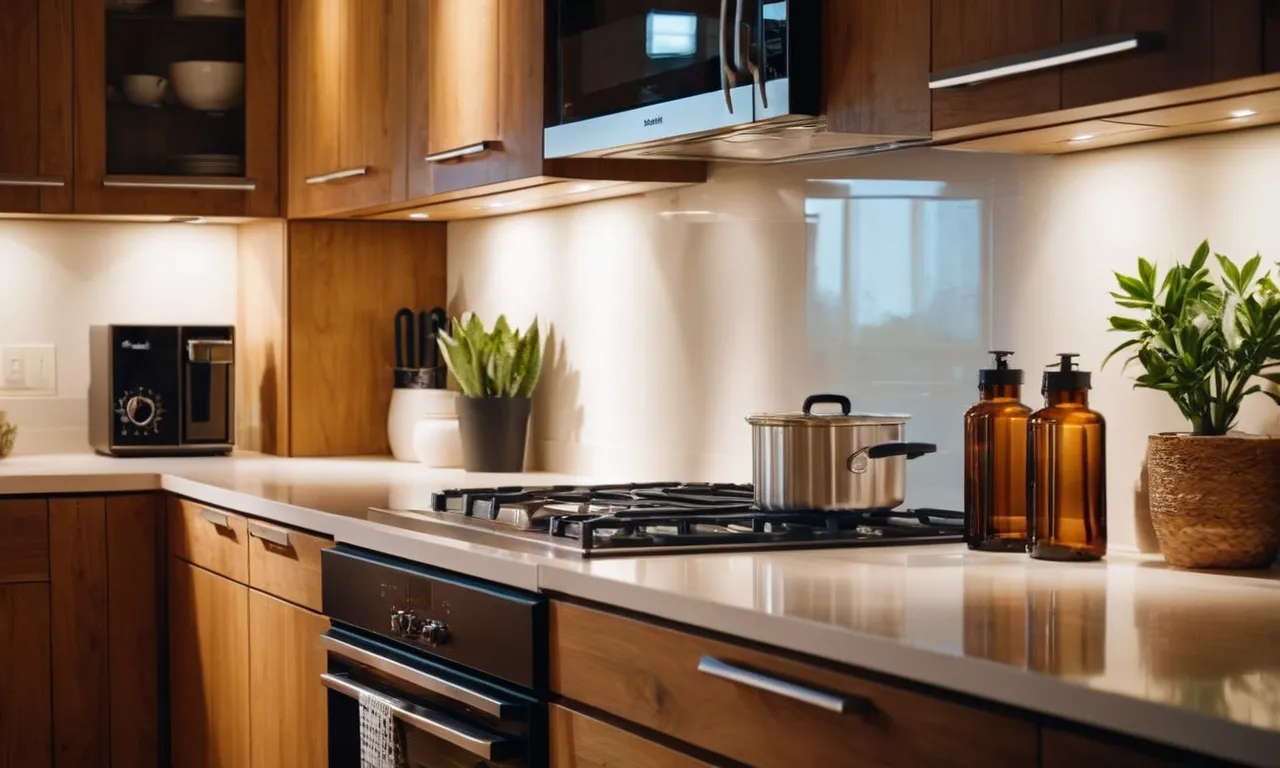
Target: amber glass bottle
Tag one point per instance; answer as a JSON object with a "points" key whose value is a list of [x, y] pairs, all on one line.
{"points": [[1066, 447], [995, 461]]}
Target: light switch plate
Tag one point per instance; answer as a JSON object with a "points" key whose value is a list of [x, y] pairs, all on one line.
{"points": [[28, 370]]}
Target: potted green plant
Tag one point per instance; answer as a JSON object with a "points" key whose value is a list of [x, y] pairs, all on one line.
{"points": [[8, 434], [1214, 493], [497, 371]]}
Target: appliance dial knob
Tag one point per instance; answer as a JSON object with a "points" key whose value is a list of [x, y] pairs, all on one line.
{"points": [[401, 621], [140, 410], [433, 633]]}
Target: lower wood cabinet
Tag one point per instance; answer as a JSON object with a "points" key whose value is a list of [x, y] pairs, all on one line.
{"points": [[288, 704], [208, 669], [26, 725], [582, 741]]}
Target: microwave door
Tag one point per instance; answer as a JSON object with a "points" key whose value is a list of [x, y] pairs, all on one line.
{"points": [[634, 72]]}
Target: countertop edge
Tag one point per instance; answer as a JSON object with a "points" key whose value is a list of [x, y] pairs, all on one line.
{"points": [[986, 680]]}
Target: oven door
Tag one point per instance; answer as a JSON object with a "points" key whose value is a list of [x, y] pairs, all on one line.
{"points": [[444, 716], [635, 71]]}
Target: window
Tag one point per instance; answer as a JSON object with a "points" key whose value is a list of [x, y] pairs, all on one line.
{"points": [[671, 34]]}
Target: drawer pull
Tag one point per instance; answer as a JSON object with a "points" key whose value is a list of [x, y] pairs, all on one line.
{"points": [[227, 183], [345, 173], [273, 535], [1068, 53], [22, 180], [460, 152], [831, 702], [218, 519]]}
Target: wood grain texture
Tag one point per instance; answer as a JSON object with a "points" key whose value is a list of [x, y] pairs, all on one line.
{"points": [[580, 741], [56, 128], [973, 31], [341, 347], [1184, 59], [24, 540], [20, 128], [1061, 748], [315, 37], [875, 67], [135, 530], [223, 549], [537, 193], [373, 118], [79, 611], [288, 704], [1271, 35], [262, 125], [648, 674], [290, 573], [26, 724], [464, 66], [262, 341], [418, 89], [1239, 40], [208, 669]]}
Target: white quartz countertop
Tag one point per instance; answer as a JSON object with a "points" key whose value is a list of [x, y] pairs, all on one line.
{"points": [[1128, 644]]}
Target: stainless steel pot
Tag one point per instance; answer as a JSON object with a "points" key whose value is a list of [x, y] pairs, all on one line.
{"points": [[830, 462]]}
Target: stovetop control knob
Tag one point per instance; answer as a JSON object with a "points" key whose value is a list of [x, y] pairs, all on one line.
{"points": [[433, 633], [401, 623]]}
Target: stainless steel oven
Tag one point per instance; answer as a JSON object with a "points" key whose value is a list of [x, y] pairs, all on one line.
{"points": [[459, 662], [637, 78]]}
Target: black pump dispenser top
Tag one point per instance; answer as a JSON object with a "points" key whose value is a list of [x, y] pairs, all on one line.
{"points": [[1002, 374], [1066, 376]]}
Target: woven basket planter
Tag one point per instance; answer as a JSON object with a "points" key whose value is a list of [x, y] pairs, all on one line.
{"points": [[1215, 501]]}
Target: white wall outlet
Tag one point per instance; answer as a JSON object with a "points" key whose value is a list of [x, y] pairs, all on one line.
{"points": [[28, 370]]}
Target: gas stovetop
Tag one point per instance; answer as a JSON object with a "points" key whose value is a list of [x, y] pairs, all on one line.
{"points": [[652, 518]]}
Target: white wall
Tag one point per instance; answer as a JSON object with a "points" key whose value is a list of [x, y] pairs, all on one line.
{"points": [[57, 278], [675, 314]]}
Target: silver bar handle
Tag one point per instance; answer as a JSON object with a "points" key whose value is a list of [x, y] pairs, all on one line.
{"points": [[345, 173], [457, 153], [179, 182], [417, 678], [214, 351], [831, 702], [742, 54], [33, 180], [277, 536], [473, 740], [216, 518], [1068, 53], [728, 75]]}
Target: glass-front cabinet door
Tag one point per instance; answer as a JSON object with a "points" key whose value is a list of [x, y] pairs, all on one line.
{"points": [[177, 107]]}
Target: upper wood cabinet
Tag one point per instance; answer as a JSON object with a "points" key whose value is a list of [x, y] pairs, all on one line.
{"points": [[464, 57], [35, 122], [345, 111], [202, 140]]}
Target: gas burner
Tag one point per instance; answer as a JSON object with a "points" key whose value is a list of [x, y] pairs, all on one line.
{"points": [[650, 518]]}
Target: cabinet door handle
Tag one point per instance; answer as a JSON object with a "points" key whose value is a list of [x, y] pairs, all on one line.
{"points": [[276, 536], [831, 702], [1067, 53], [345, 173], [227, 183], [33, 180], [742, 54], [728, 75], [480, 743], [216, 518], [458, 153]]}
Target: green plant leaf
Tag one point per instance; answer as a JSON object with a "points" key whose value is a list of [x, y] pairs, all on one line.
{"points": [[458, 356], [1200, 258], [1249, 269], [1147, 274], [1124, 346], [1230, 270], [530, 363], [1126, 324], [1132, 286]]}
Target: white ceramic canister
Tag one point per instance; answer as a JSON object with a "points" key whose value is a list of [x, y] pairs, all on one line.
{"points": [[408, 406], [437, 441]]}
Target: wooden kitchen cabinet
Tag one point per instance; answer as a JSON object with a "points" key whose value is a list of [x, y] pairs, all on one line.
{"points": [[26, 724], [288, 703], [581, 741], [198, 152], [346, 106], [1061, 747], [208, 669], [35, 123], [972, 32]]}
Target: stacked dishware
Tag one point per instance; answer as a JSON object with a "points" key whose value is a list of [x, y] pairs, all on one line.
{"points": [[422, 422]]}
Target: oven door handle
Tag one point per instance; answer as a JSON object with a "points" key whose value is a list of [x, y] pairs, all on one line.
{"points": [[481, 743], [415, 677]]}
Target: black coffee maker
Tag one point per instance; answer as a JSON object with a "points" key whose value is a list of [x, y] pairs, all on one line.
{"points": [[162, 390]]}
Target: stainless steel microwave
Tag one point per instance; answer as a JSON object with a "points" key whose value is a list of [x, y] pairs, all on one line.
{"points": [[682, 78]]}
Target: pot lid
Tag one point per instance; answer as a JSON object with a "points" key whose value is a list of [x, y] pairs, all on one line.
{"points": [[806, 416]]}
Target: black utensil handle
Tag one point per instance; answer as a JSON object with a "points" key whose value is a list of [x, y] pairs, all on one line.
{"points": [[405, 348], [425, 337], [845, 405], [910, 450]]}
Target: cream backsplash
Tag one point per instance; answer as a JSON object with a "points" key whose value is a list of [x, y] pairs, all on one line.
{"points": [[57, 278], [675, 314]]}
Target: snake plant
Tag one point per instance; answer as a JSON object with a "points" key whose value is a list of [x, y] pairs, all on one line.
{"points": [[1202, 341], [497, 363]]}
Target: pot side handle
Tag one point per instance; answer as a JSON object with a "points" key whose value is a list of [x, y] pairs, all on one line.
{"points": [[910, 450], [845, 404]]}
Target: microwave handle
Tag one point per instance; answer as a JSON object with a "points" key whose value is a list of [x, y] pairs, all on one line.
{"points": [[728, 75], [742, 53]]}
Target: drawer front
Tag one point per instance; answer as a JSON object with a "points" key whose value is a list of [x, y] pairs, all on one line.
{"points": [[580, 741], [209, 537], [286, 563], [24, 540], [702, 691]]}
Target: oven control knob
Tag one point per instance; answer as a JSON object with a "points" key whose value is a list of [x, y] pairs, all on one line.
{"points": [[433, 633], [402, 623], [140, 410]]}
